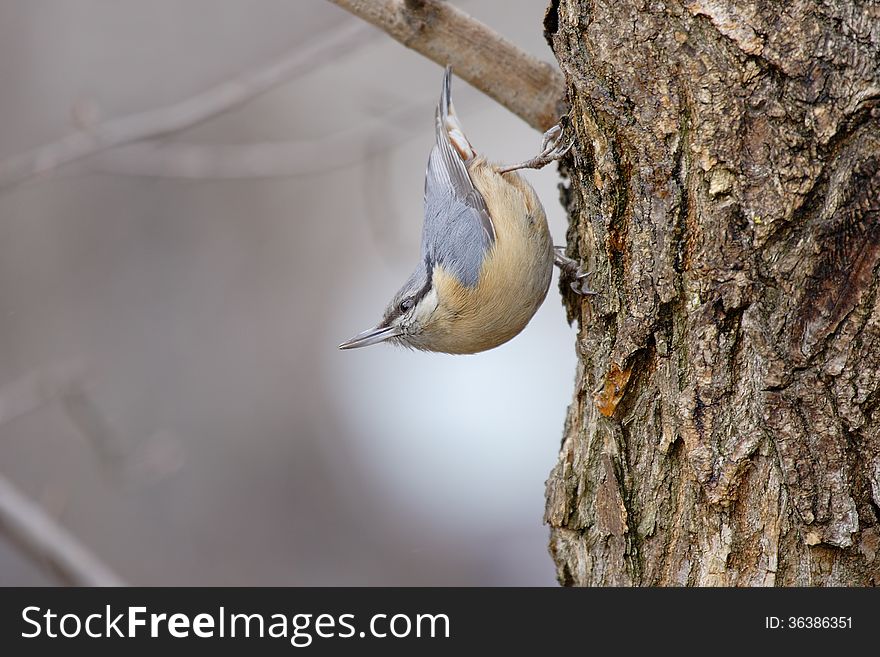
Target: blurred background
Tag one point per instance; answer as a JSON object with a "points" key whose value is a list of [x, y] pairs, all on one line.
{"points": [[170, 388]]}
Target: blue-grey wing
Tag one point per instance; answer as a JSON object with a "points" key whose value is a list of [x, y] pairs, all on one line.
{"points": [[458, 229]]}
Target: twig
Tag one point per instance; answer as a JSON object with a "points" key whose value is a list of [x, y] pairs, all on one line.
{"points": [[44, 539], [531, 89], [61, 382], [165, 120], [305, 157], [38, 388]]}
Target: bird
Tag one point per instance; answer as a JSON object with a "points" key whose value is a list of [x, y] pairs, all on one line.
{"points": [[486, 253]]}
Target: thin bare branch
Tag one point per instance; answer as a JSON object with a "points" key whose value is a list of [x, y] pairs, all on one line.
{"points": [[46, 541], [530, 88], [305, 157], [63, 383], [38, 388], [185, 114]]}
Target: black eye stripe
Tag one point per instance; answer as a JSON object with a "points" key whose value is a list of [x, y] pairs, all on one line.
{"points": [[414, 299], [429, 276]]}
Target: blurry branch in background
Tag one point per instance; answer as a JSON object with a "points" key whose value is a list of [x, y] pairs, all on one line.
{"points": [[530, 88], [46, 541], [165, 120], [26, 522], [345, 147], [85, 415], [62, 383], [154, 457], [38, 388]]}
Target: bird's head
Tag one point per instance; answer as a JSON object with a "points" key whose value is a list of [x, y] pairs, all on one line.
{"points": [[408, 316]]}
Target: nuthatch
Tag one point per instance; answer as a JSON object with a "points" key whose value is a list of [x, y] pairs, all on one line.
{"points": [[487, 256]]}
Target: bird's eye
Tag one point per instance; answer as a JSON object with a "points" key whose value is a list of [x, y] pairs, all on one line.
{"points": [[406, 304]]}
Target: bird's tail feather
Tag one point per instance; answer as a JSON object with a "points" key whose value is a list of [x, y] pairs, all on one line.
{"points": [[448, 120]]}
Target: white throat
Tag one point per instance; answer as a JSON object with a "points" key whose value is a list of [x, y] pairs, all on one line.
{"points": [[425, 308]]}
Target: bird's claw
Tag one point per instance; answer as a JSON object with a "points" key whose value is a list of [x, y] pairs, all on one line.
{"points": [[580, 286], [573, 270], [555, 143]]}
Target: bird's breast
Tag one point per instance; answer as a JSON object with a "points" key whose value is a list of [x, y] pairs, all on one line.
{"points": [[514, 276]]}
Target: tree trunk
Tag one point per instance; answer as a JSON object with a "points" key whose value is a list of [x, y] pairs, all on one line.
{"points": [[725, 428]]}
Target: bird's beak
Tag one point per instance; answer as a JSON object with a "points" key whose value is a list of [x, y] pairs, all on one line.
{"points": [[371, 336]]}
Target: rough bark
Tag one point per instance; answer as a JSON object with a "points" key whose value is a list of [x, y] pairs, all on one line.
{"points": [[725, 187]]}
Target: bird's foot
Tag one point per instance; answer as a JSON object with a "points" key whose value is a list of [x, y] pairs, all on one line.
{"points": [[556, 143], [574, 271]]}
